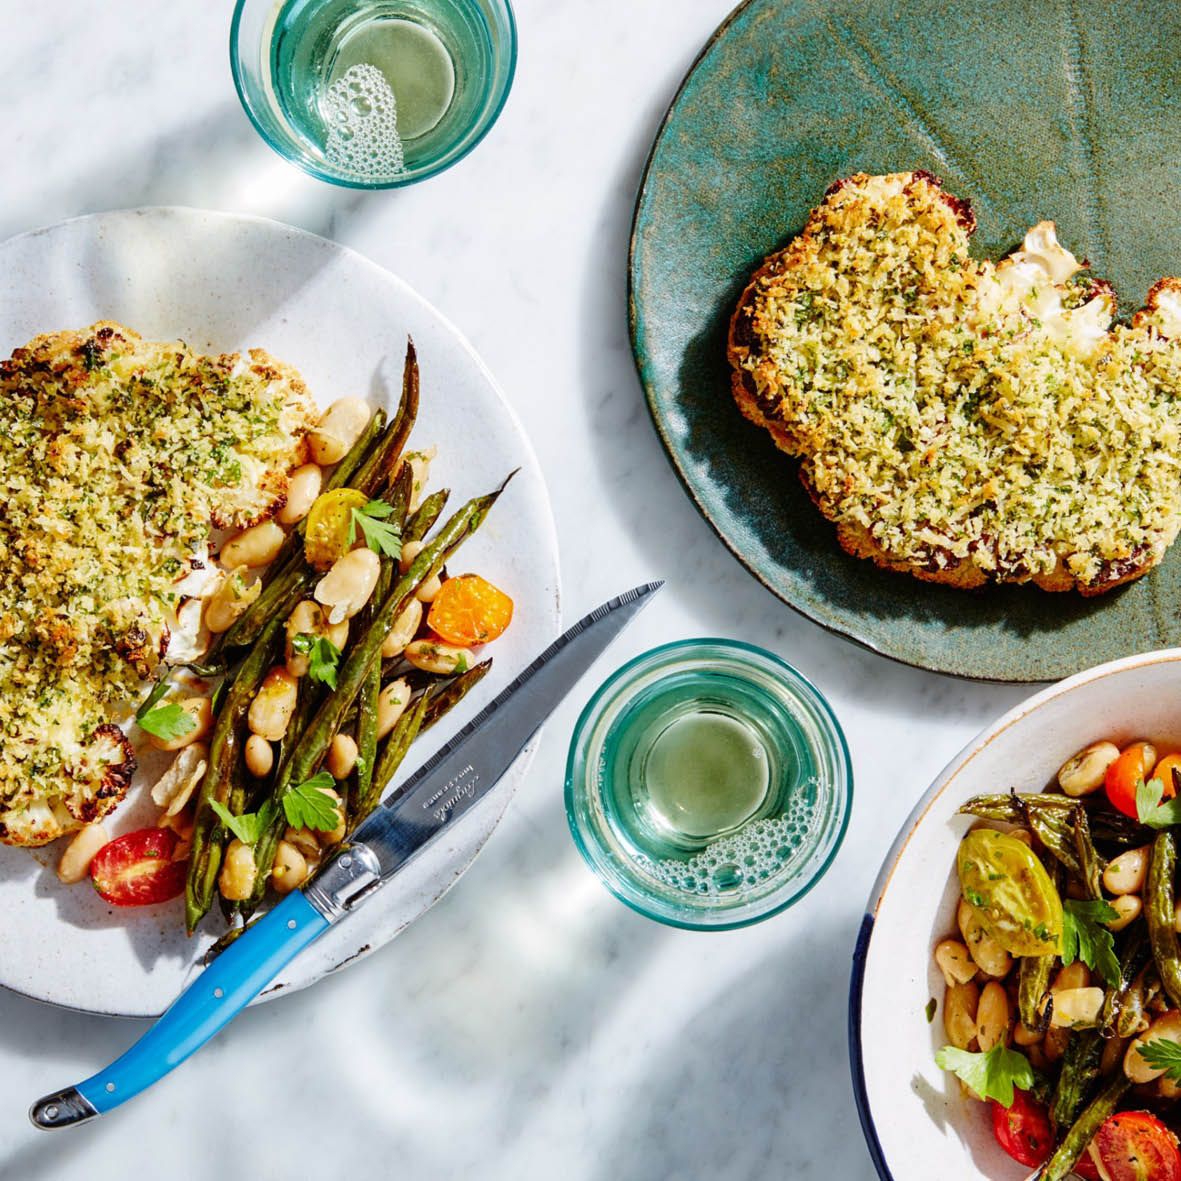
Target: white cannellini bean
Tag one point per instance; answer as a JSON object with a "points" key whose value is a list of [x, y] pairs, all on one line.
{"points": [[1076, 1008], [403, 630], [1024, 1036], [1166, 1027], [1126, 873], [305, 841], [432, 657], [233, 595], [173, 790], [306, 619], [410, 551], [303, 486], [342, 756], [428, 589], [338, 430], [391, 705], [236, 880], [1085, 771], [990, 957], [1127, 908], [960, 1003], [420, 465], [290, 869], [955, 962], [992, 1016], [253, 547], [274, 703], [1075, 975], [75, 861], [202, 711], [347, 587], [260, 756]]}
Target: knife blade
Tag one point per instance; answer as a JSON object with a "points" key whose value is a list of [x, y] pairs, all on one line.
{"points": [[446, 788]]}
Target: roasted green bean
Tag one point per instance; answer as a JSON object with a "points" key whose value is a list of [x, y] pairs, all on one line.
{"points": [[1074, 1144], [381, 463], [313, 744], [1080, 1068], [205, 857], [1091, 865], [1033, 982], [1158, 912], [447, 696], [427, 513], [1125, 999]]}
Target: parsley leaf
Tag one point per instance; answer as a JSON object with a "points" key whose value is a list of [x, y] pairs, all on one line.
{"points": [[1151, 810], [992, 1075], [1163, 1054], [250, 825], [323, 657], [380, 535], [158, 690], [168, 721], [306, 805], [1085, 938]]}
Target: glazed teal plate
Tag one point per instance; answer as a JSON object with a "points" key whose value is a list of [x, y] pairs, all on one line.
{"points": [[1066, 111]]}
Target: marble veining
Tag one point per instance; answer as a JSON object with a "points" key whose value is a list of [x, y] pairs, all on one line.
{"points": [[530, 1026]]}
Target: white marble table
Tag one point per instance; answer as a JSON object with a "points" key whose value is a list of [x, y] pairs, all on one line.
{"points": [[529, 1027]]}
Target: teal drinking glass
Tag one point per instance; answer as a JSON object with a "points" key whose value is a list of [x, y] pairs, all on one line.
{"points": [[708, 784], [373, 94]]}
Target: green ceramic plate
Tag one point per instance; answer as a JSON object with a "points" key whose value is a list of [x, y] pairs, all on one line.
{"points": [[1060, 110]]}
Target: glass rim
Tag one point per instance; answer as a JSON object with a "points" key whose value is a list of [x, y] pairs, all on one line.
{"points": [[592, 850], [483, 126]]}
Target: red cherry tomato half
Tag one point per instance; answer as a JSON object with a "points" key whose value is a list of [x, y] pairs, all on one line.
{"points": [[1134, 763], [1085, 1168], [138, 869], [1023, 1130], [1136, 1146]]}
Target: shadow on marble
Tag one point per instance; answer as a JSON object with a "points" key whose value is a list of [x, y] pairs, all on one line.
{"points": [[216, 161], [756, 1076]]}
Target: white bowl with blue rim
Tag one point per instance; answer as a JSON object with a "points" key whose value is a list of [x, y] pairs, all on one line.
{"points": [[917, 1124]]}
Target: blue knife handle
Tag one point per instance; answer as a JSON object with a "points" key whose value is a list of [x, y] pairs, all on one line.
{"points": [[226, 987]]}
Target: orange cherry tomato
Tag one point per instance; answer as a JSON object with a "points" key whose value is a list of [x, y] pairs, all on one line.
{"points": [[1134, 763], [469, 610], [1164, 771]]}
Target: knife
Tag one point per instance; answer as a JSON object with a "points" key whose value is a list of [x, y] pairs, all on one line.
{"points": [[437, 795]]}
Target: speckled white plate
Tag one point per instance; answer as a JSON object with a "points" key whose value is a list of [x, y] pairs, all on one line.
{"points": [[223, 282]]}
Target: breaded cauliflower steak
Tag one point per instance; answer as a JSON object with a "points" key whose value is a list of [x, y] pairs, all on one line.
{"points": [[958, 420], [117, 455]]}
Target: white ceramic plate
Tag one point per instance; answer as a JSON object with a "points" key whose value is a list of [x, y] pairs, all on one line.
{"points": [[916, 1122], [223, 283]]}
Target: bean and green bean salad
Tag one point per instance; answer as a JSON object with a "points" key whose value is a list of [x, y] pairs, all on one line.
{"points": [[334, 637], [1062, 1006]]}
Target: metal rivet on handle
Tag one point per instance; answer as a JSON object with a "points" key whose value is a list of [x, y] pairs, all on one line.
{"points": [[290, 924], [346, 862], [51, 1113], [219, 993], [110, 1088]]}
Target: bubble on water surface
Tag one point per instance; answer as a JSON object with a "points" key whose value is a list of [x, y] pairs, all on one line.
{"points": [[362, 116], [741, 861]]}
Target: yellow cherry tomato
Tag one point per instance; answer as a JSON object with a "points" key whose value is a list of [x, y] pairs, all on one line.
{"points": [[329, 525], [1006, 883]]}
